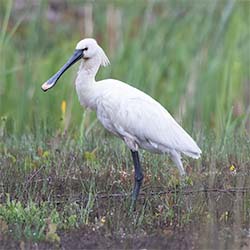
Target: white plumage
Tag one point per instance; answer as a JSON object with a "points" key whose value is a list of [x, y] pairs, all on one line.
{"points": [[132, 115], [126, 111]]}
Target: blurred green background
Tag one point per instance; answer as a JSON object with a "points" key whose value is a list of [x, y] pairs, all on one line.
{"points": [[55, 159], [193, 57]]}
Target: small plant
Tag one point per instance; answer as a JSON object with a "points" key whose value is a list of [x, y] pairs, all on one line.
{"points": [[34, 221], [24, 221]]}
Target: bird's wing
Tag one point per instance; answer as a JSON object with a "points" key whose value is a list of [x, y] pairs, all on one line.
{"points": [[144, 118]]}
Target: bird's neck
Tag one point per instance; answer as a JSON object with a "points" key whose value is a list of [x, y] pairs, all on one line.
{"points": [[85, 83], [87, 72]]}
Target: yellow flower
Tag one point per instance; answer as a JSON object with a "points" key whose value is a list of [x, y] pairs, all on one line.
{"points": [[63, 107], [232, 168], [103, 220], [46, 154]]}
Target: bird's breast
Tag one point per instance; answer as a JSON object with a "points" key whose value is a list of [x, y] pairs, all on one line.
{"points": [[86, 96]]}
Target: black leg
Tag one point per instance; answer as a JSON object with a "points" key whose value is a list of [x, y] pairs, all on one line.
{"points": [[138, 177]]}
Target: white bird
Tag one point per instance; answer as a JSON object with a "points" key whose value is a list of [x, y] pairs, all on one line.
{"points": [[135, 117]]}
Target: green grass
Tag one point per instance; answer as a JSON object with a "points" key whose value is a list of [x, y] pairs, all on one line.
{"points": [[58, 182], [55, 165], [193, 58]]}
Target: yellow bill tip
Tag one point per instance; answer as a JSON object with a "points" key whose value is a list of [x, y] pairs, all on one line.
{"points": [[45, 86]]}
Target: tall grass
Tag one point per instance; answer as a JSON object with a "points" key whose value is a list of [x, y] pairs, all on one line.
{"points": [[193, 58]]}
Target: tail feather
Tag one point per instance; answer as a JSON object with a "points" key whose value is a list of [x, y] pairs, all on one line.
{"points": [[193, 154]]}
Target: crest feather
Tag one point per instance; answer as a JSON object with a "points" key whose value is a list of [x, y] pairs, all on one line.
{"points": [[104, 59]]}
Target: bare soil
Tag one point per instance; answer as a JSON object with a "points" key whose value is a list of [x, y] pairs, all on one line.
{"points": [[86, 238]]}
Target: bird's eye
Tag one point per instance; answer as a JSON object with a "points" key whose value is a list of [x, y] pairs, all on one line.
{"points": [[85, 49]]}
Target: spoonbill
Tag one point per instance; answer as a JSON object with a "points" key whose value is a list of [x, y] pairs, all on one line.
{"points": [[135, 117]]}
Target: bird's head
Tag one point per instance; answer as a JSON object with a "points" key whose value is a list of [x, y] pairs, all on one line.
{"points": [[91, 50], [88, 50]]}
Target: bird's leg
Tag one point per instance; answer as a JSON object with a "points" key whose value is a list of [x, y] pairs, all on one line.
{"points": [[176, 158], [138, 177]]}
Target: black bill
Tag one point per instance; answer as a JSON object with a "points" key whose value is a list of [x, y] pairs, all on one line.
{"points": [[78, 54]]}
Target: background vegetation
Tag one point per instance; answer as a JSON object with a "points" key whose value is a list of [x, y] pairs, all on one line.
{"points": [[193, 57]]}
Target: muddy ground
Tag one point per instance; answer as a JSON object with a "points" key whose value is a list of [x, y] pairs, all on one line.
{"points": [[177, 239], [85, 238]]}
